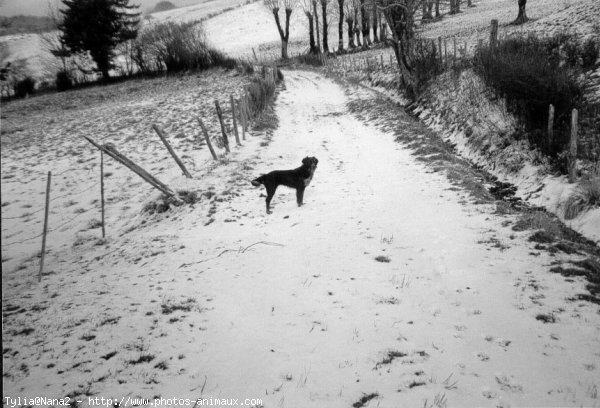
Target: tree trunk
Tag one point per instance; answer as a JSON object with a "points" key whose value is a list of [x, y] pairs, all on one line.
{"points": [[365, 25], [325, 28], [356, 30], [350, 24], [311, 35], [341, 26], [382, 29], [401, 23], [522, 17], [375, 25], [281, 33], [437, 8], [316, 12]]}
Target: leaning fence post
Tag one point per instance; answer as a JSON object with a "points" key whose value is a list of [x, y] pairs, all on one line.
{"points": [[45, 232], [551, 124], [493, 33], [121, 158], [220, 115], [171, 151], [102, 190], [235, 129], [573, 147], [207, 139]]}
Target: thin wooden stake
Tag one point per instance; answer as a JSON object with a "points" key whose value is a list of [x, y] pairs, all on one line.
{"points": [[454, 57], [493, 33], [45, 232], [440, 48], [161, 134], [235, 129], [102, 191], [207, 139], [220, 115], [240, 106], [573, 147], [551, 124]]}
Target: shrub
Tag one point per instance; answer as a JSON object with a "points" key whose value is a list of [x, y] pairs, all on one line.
{"points": [[314, 60], [589, 53], [176, 47], [24, 87], [426, 64], [260, 92], [526, 72], [63, 80]]}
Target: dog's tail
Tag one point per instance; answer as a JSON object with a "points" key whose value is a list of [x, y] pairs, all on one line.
{"points": [[258, 181]]}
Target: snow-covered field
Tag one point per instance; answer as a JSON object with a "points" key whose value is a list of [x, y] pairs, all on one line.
{"points": [[391, 287]]}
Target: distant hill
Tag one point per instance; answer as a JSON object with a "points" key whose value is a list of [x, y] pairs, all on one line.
{"points": [[24, 24], [163, 6]]}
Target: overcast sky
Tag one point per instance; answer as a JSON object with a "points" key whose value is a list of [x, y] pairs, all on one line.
{"points": [[40, 7]]}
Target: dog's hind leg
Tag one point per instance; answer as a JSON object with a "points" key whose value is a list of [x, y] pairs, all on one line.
{"points": [[300, 196], [270, 194]]}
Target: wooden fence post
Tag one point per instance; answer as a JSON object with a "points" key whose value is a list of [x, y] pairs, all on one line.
{"points": [[235, 129], [102, 190], [161, 134], [45, 232], [454, 56], [121, 158], [240, 106], [207, 139], [220, 115], [573, 147], [493, 33], [551, 124], [446, 50]]}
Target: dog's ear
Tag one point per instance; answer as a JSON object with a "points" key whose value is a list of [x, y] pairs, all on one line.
{"points": [[306, 160]]}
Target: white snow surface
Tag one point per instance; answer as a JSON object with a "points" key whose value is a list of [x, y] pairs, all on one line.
{"points": [[294, 309]]}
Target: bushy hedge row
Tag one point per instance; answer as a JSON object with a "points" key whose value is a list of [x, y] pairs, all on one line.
{"points": [[531, 75]]}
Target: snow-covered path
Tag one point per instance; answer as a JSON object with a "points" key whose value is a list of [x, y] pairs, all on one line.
{"points": [[293, 308], [318, 321]]}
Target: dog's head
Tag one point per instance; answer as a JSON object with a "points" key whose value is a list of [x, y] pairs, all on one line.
{"points": [[310, 162]]}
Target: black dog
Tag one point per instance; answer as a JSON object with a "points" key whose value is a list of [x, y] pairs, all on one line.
{"points": [[298, 179]]}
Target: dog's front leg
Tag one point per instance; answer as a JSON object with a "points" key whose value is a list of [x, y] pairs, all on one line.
{"points": [[300, 196], [270, 194]]}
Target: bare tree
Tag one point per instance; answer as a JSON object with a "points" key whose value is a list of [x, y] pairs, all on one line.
{"points": [[400, 16], [307, 7], [350, 11], [340, 25], [426, 10], [375, 24], [316, 12], [274, 6], [357, 29], [324, 4], [454, 6], [366, 28], [522, 17]]}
